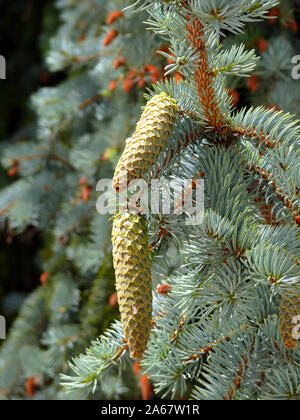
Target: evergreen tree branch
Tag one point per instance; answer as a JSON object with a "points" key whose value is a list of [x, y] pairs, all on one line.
{"points": [[204, 76], [270, 180]]}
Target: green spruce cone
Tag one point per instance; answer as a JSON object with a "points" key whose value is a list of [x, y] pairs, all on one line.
{"points": [[133, 279], [289, 309], [152, 134]]}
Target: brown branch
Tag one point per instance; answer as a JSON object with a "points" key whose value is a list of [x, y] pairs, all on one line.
{"points": [[44, 156], [122, 349], [205, 350], [188, 139], [86, 58], [261, 136], [266, 210], [89, 102], [267, 177], [6, 209], [204, 77], [209, 347], [71, 228], [239, 374], [178, 330], [62, 160]]}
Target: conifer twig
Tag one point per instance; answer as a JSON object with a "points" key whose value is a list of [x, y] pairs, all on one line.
{"points": [[269, 179], [239, 373], [261, 136], [6, 209], [89, 102], [120, 352], [204, 77]]}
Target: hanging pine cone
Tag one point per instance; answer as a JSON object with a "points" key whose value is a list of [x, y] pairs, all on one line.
{"points": [[150, 138], [133, 279], [289, 308]]}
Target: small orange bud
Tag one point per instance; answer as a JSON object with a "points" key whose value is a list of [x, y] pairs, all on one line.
{"points": [[112, 85], [81, 38], [132, 73], [30, 385], [104, 156], [275, 107], [83, 181], [162, 232], [164, 289], [297, 220], [253, 83], [113, 16], [154, 78], [119, 61], [128, 84], [150, 68], [110, 36], [293, 25], [178, 76], [141, 83], [44, 277], [262, 45], [153, 71], [146, 387], [86, 193], [113, 300], [234, 96], [14, 170], [136, 368], [275, 12], [164, 48], [170, 60]]}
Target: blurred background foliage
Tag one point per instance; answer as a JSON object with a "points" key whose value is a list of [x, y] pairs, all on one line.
{"points": [[26, 28]]}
